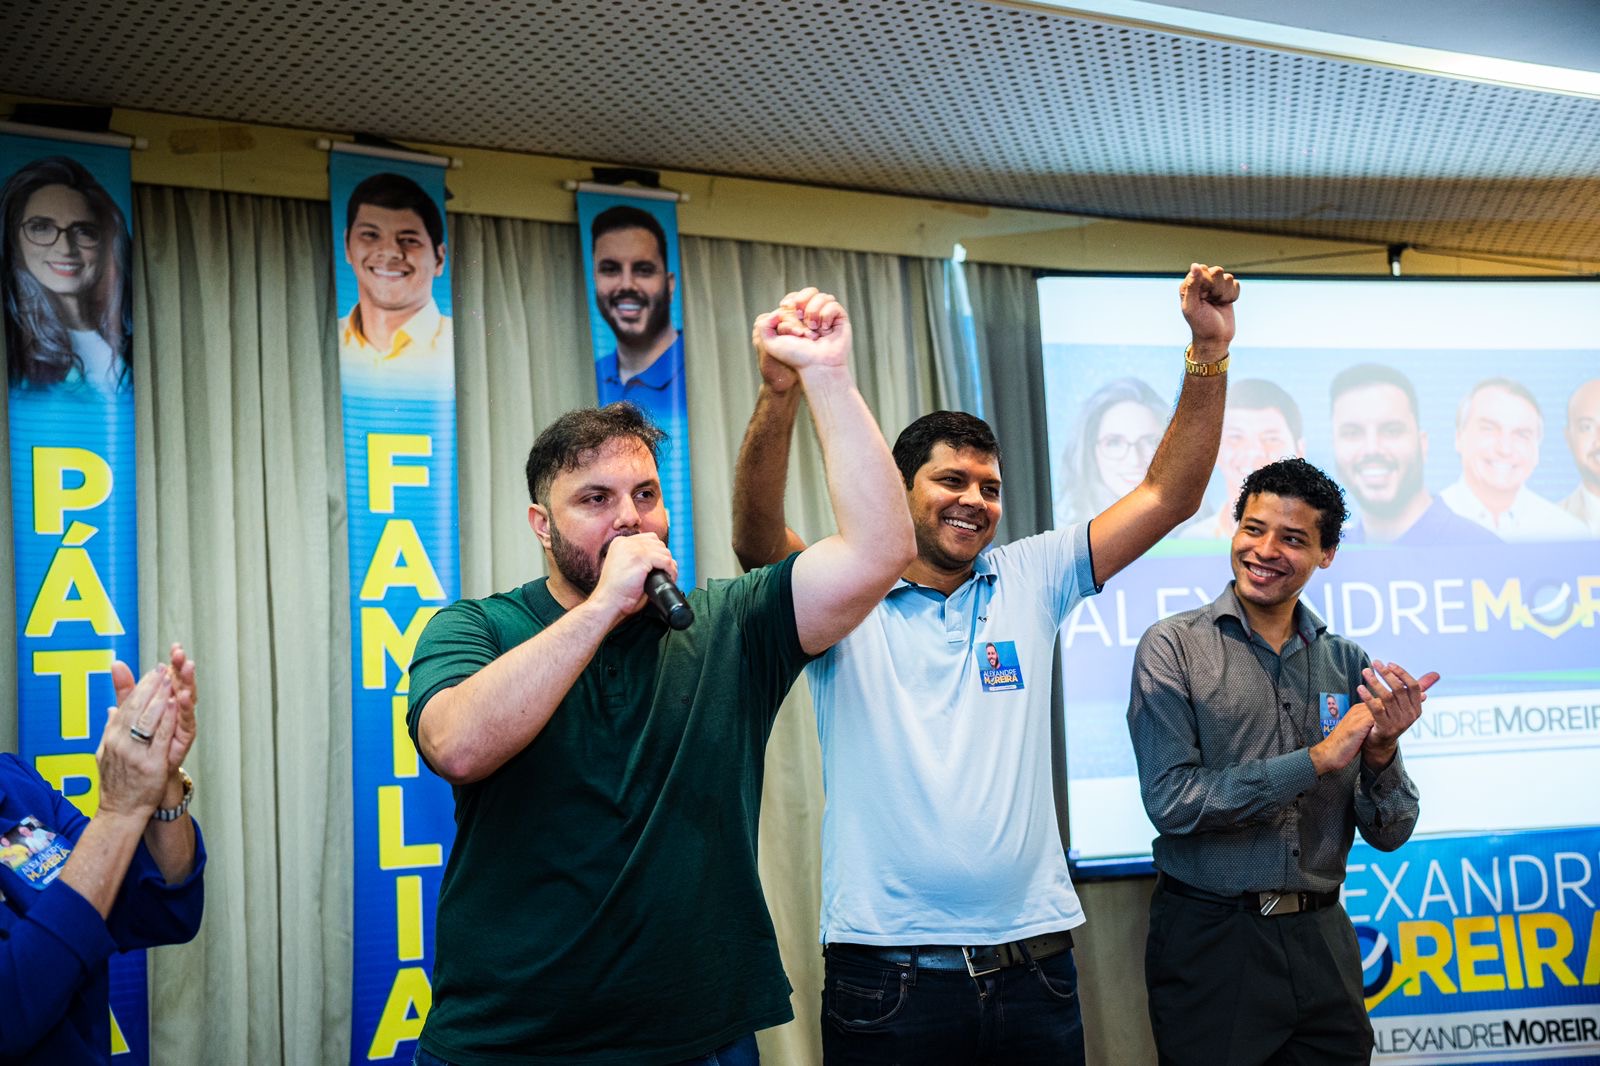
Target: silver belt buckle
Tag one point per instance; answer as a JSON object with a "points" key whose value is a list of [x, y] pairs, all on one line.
{"points": [[1279, 903], [966, 953]]}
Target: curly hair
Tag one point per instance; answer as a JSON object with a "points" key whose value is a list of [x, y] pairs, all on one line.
{"points": [[1299, 480], [571, 440], [38, 342]]}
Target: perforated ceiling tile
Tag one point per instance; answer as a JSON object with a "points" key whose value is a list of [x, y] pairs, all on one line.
{"points": [[944, 98]]}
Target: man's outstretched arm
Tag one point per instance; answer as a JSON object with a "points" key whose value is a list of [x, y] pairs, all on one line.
{"points": [[760, 535], [840, 578], [1175, 483]]}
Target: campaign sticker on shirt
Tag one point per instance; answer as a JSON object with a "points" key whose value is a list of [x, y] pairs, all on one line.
{"points": [[998, 667], [34, 851], [1332, 707]]}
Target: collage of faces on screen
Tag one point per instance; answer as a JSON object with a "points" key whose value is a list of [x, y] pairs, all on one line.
{"points": [[1507, 448]]}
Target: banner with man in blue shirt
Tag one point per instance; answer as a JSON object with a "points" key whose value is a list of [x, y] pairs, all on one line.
{"points": [[630, 251]]}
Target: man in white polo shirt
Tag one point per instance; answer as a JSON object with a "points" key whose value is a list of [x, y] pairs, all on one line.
{"points": [[947, 903], [1499, 429]]}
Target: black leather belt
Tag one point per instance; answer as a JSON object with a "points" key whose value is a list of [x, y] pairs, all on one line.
{"points": [[1274, 904], [977, 961]]}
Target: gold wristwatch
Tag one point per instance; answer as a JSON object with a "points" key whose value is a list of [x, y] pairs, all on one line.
{"points": [[1203, 370]]}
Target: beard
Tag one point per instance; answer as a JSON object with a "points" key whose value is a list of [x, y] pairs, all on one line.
{"points": [[1409, 488], [581, 571], [657, 319]]}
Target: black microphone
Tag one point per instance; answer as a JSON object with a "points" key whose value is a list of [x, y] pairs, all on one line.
{"points": [[668, 600]]}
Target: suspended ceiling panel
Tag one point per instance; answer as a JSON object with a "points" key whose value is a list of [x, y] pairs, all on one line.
{"points": [[1554, 34], [955, 99]]}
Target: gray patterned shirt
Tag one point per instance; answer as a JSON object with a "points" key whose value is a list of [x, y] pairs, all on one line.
{"points": [[1222, 728]]}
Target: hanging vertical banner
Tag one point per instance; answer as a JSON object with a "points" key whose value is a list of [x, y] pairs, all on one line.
{"points": [[68, 321], [630, 255], [1483, 949], [397, 377]]}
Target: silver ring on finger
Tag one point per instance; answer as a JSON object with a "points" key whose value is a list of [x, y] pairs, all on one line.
{"points": [[140, 735]]}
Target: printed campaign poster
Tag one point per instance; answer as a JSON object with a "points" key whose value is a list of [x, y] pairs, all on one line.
{"points": [[397, 376], [630, 256], [1481, 949], [1000, 669], [64, 276]]}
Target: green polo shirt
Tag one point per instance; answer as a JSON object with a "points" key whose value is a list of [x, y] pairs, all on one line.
{"points": [[601, 902]]}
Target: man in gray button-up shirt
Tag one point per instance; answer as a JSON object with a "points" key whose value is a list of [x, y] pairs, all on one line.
{"points": [[1264, 742]]}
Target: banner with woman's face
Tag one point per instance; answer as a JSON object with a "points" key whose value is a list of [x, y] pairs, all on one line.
{"points": [[64, 266], [64, 288]]}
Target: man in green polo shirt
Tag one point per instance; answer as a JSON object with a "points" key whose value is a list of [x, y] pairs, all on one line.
{"points": [[601, 902]]}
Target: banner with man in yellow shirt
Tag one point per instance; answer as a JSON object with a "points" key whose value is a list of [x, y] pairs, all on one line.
{"points": [[397, 377]]}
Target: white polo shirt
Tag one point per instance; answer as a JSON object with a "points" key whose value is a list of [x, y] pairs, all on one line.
{"points": [[1530, 517], [940, 825]]}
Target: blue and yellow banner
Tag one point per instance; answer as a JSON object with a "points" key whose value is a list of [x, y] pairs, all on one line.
{"points": [[69, 324], [64, 278], [630, 256], [1481, 949], [397, 373]]}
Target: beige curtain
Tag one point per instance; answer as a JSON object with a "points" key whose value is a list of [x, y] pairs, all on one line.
{"points": [[522, 358], [242, 554]]}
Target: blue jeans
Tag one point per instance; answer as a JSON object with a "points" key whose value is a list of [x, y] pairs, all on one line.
{"points": [[877, 1012], [741, 1052]]}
